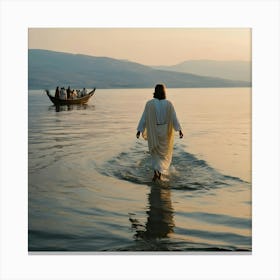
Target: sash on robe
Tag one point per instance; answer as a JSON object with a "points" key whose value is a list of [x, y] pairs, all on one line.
{"points": [[160, 137]]}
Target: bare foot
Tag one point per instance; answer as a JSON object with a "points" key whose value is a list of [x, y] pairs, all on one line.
{"points": [[157, 175], [154, 178]]}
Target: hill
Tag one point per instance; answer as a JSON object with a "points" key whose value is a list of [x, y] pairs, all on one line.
{"points": [[233, 70], [48, 69]]}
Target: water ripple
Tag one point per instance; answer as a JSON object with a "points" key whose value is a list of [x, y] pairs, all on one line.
{"points": [[187, 172]]}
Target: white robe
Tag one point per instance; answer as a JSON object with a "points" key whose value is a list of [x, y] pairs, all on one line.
{"points": [[157, 125]]}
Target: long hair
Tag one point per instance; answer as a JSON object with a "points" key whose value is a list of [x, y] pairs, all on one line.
{"points": [[160, 92]]}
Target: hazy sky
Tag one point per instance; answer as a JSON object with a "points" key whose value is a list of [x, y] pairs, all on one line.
{"points": [[149, 46]]}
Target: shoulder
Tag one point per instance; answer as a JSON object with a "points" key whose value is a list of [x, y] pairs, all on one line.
{"points": [[149, 102], [169, 103]]}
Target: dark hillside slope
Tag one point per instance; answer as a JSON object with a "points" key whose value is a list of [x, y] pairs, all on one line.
{"points": [[47, 69]]}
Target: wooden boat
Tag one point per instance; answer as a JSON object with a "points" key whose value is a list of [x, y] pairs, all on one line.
{"points": [[80, 100]]}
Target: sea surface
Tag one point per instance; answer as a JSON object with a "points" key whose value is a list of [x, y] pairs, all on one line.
{"points": [[89, 178]]}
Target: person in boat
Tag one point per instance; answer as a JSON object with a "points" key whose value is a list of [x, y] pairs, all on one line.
{"points": [[84, 92], [157, 125], [57, 92], [68, 92], [63, 94], [74, 94]]}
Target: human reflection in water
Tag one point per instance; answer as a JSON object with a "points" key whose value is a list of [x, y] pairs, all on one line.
{"points": [[160, 221]]}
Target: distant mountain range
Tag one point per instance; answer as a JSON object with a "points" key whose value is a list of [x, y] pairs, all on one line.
{"points": [[48, 69], [233, 70]]}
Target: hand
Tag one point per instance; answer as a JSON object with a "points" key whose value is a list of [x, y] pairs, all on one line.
{"points": [[138, 134], [181, 134]]}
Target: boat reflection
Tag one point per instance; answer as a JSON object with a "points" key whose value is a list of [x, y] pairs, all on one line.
{"points": [[61, 108], [160, 217]]}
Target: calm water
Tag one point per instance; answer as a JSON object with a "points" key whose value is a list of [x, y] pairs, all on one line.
{"points": [[90, 183]]}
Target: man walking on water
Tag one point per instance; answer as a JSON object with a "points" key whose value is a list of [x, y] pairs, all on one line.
{"points": [[157, 125]]}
